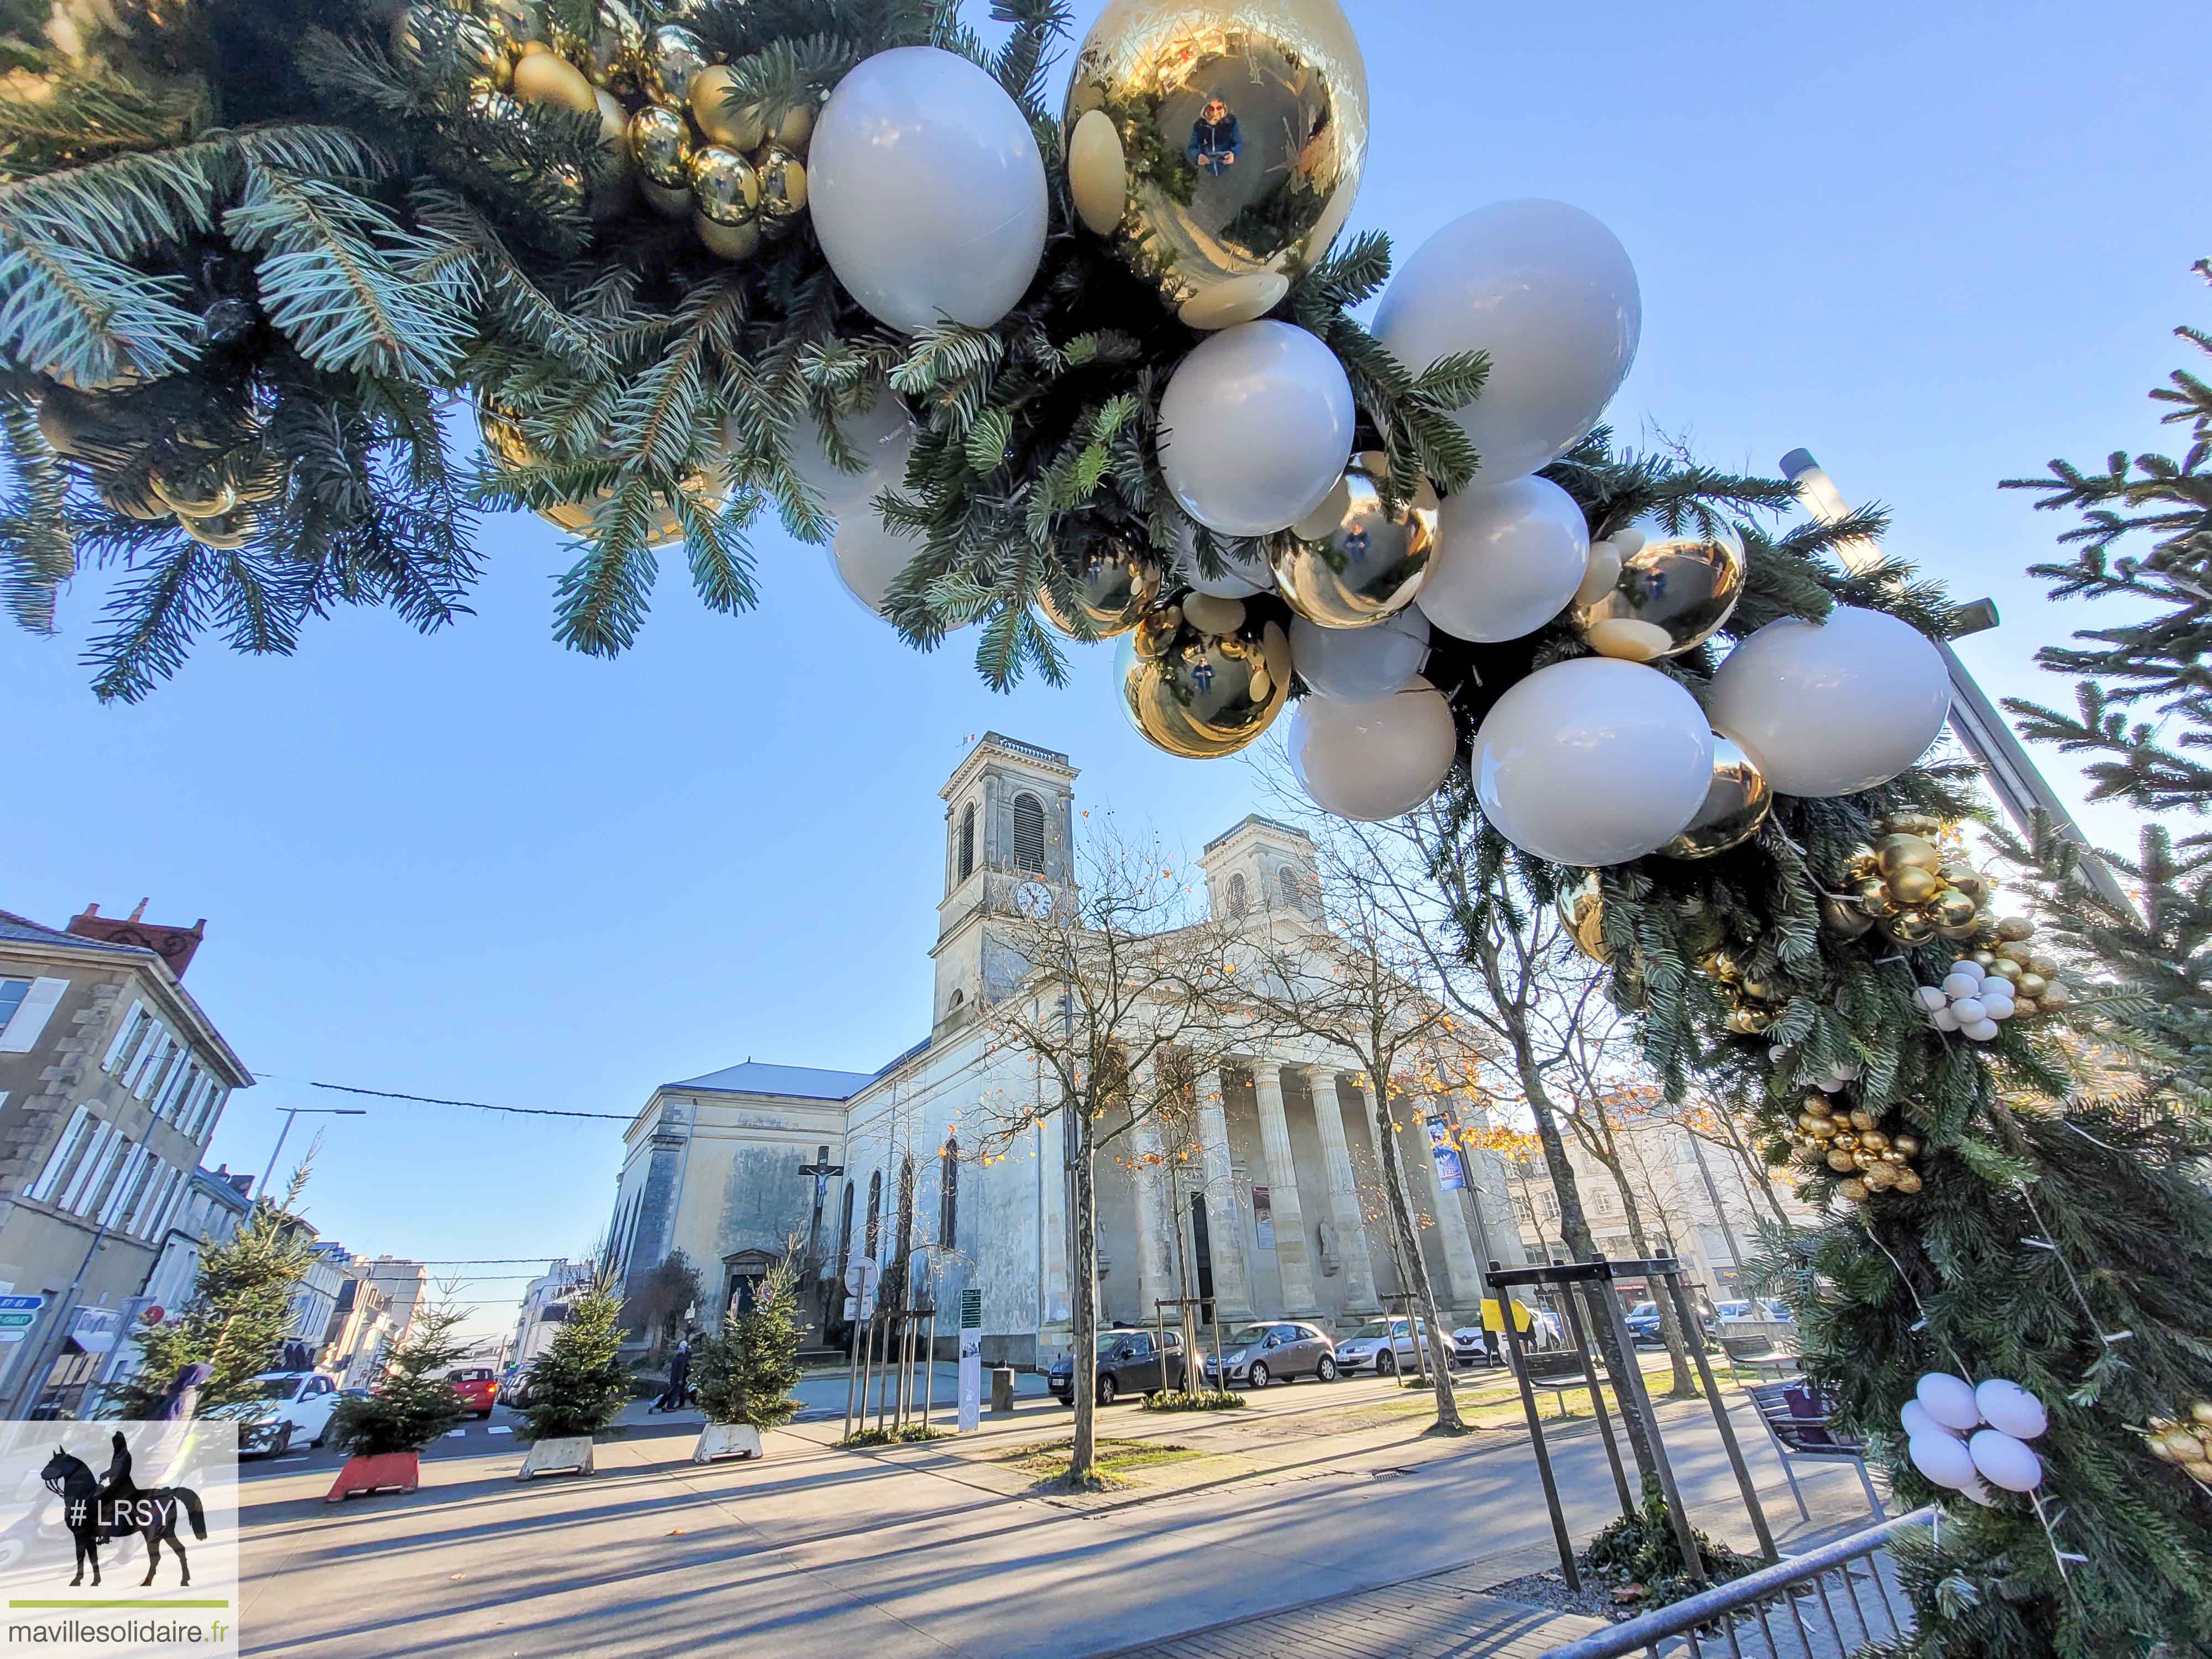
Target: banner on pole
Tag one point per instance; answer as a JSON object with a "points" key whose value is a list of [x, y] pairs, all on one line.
{"points": [[1451, 1172]]}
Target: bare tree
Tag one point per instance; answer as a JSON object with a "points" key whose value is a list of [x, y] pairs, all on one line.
{"points": [[1119, 1007]]}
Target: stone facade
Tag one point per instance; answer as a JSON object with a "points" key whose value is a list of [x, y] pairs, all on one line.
{"points": [[1281, 1213]]}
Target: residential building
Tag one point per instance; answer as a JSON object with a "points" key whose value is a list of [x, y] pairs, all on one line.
{"points": [[216, 1205], [545, 1309], [315, 1294], [113, 1079], [404, 1285], [361, 1329], [1284, 1221]]}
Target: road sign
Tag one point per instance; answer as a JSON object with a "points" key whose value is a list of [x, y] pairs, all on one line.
{"points": [[861, 1274], [17, 1320], [20, 1304], [858, 1308], [12, 1336]]}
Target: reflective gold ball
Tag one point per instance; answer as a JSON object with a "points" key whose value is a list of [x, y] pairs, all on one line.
{"points": [[1114, 587], [1737, 802], [724, 186], [738, 129], [660, 144], [1353, 562], [1895, 853], [1905, 1143], [1874, 1142], [1218, 144], [1839, 1158], [782, 184], [1908, 1180], [224, 530], [1873, 897], [1844, 917], [1582, 913], [1857, 1191], [1955, 915], [1967, 879], [2013, 929], [2034, 986], [670, 58], [1910, 928], [1204, 680], [1911, 884], [2005, 969], [1672, 595], [1861, 864], [1985, 960]]}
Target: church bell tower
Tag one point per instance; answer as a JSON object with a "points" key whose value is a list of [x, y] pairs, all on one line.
{"points": [[1008, 823]]}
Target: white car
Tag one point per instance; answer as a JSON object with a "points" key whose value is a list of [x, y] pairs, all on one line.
{"points": [[294, 1409], [1382, 1345]]}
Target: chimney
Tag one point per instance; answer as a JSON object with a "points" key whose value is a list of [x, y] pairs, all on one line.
{"points": [[175, 945]]}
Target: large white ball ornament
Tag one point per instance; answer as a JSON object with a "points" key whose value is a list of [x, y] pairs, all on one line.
{"points": [[1549, 293], [2005, 1405], [1950, 1400], [1830, 708], [1943, 1458], [2005, 1461], [868, 555], [1243, 573], [1593, 762], [883, 434], [1507, 560], [1256, 428], [1373, 760], [1359, 664], [926, 189]]}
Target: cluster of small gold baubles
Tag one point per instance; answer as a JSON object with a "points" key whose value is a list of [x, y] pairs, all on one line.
{"points": [[1873, 1155], [1202, 676], [666, 106], [1908, 887], [2185, 1441], [216, 500], [503, 436], [1753, 1005]]}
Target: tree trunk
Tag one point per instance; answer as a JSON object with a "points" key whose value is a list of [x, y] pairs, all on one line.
{"points": [[1670, 1323], [1417, 1270], [1083, 1379], [1187, 1311]]}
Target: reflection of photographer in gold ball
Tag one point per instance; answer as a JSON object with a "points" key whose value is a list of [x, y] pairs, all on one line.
{"points": [[1214, 139]]}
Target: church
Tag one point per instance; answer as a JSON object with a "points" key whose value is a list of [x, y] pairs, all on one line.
{"points": [[737, 1167]]}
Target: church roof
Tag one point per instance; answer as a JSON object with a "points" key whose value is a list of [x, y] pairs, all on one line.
{"points": [[793, 1082]]}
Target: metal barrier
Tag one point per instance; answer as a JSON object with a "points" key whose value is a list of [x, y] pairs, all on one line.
{"points": [[1809, 1604]]}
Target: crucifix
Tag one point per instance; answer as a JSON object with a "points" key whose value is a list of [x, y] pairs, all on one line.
{"points": [[822, 1169]]}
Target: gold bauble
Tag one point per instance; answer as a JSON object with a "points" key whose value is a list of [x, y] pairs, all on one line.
{"points": [[541, 77], [2013, 929], [1985, 960], [2183, 1444], [1861, 864], [1737, 802], [2005, 969], [2056, 996], [1908, 1180], [1582, 913], [1910, 927], [1905, 1143], [740, 129], [1880, 1176], [1819, 1106], [1895, 853], [1967, 879], [2034, 987], [783, 184], [1846, 1139], [1353, 560], [725, 189], [2039, 964], [1673, 595], [2016, 953], [1855, 1189], [1224, 239], [730, 242], [2200, 1412], [503, 437], [1955, 915], [132, 498], [225, 530], [2026, 1008], [1839, 1158], [1873, 897], [1874, 1142], [1912, 824], [1863, 1119], [1114, 587], [661, 146], [1911, 884], [1843, 918], [1750, 1022], [204, 493], [671, 57], [1202, 678]]}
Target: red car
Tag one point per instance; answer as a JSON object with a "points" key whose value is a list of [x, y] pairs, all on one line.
{"points": [[478, 1387]]}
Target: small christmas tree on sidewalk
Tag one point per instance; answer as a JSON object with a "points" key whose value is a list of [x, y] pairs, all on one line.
{"points": [[577, 1387], [746, 1370], [413, 1403]]}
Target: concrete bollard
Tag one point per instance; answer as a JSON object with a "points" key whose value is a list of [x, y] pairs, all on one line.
{"points": [[1002, 1391]]}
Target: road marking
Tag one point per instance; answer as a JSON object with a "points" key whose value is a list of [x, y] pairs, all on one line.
{"points": [[295, 1457], [457, 1434], [500, 1428]]}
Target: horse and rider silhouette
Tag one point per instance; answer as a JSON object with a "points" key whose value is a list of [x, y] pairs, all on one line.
{"points": [[98, 1511]]}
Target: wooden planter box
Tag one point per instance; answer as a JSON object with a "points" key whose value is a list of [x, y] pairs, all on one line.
{"points": [[385, 1471], [570, 1454], [721, 1441]]}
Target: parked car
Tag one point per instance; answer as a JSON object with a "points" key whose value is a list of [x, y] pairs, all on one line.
{"points": [[1539, 1330], [1278, 1350], [293, 1407], [1760, 1308], [1384, 1346], [478, 1387], [1130, 1362], [1643, 1322], [515, 1391]]}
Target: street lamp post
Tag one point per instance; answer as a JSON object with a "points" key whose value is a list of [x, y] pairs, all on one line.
{"points": [[291, 1112]]}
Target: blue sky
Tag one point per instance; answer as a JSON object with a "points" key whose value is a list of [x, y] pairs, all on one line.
{"points": [[1936, 245]]}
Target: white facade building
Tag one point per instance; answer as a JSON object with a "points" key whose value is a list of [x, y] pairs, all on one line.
{"points": [[1283, 1221], [545, 1309]]}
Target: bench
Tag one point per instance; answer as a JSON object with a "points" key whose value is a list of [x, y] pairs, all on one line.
{"points": [[1797, 1416], [1557, 1373], [1763, 1345]]}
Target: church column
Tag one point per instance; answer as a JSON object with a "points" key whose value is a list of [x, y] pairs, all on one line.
{"points": [[1225, 1216], [1155, 1275], [1461, 1266], [1290, 1225], [1343, 1195]]}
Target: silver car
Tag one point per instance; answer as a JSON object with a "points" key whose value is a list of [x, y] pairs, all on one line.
{"points": [[1276, 1351], [1383, 1346]]}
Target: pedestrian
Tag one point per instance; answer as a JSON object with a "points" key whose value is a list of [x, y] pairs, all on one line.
{"points": [[677, 1394]]}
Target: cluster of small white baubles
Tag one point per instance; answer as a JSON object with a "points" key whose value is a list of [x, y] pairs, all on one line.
{"points": [[1832, 708], [1256, 428], [1549, 293], [1960, 1436], [928, 190], [1593, 762], [1375, 759], [1971, 1000]]}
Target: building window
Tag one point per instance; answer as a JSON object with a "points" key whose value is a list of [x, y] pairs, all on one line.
{"points": [[906, 1208], [845, 1230], [67, 1151], [948, 1201], [1029, 834], [967, 841], [1293, 889], [12, 992], [875, 1214], [1239, 897]]}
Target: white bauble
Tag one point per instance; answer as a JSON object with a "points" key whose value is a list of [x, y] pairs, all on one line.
{"points": [[1914, 1417], [1968, 1010], [925, 187], [1549, 293], [1243, 573], [868, 555], [1999, 1009], [1593, 762], [1830, 708], [1950, 1400], [1980, 1031], [1979, 1492], [1359, 664], [2007, 1407], [1373, 760], [1256, 428], [1507, 560], [1956, 984], [1967, 966], [1943, 1019], [883, 434], [2003, 1460], [1943, 1458], [1933, 997]]}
